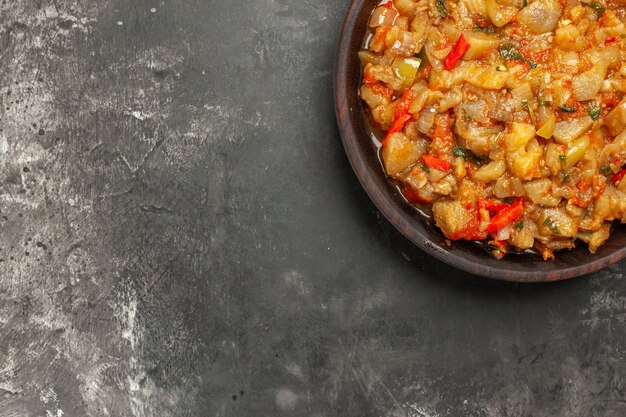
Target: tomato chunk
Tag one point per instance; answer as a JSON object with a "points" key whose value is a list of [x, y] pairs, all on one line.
{"points": [[436, 163]]}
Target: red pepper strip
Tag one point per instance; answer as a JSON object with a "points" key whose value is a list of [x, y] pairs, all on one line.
{"points": [[492, 205], [435, 163], [455, 55], [389, 4], [609, 41], [402, 115], [506, 216], [619, 176], [397, 126]]}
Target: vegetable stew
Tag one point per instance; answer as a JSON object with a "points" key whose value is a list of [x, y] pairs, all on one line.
{"points": [[507, 117]]}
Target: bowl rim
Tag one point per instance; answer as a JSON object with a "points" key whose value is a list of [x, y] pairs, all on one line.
{"points": [[392, 210]]}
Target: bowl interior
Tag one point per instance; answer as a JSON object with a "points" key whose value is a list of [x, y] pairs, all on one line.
{"points": [[468, 256]]}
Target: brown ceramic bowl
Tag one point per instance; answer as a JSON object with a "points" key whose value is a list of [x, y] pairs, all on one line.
{"points": [[471, 257]]}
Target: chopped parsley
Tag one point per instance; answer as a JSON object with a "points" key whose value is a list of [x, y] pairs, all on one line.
{"points": [[483, 24], [550, 224], [425, 168], [529, 109], [605, 170], [562, 158], [564, 177], [597, 8], [594, 110], [507, 201], [424, 59], [519, 226], [525, 3], [567, 108], [458, 151], [441, 8], [542, 102], [509, 51], [487, 29]]}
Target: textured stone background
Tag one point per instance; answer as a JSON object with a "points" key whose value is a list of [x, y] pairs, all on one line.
{"points": [[181, 235]]}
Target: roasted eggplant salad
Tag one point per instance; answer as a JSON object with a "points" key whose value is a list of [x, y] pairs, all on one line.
{"points": [[506, 117]]}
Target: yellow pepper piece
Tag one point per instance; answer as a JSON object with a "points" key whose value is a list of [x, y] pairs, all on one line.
{"points": [[547, 129]]}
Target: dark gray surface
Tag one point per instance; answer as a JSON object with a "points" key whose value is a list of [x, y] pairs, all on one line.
{"points": [[181, 235]]}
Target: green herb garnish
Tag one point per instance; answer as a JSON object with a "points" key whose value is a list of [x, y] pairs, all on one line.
{"points": [[564, 177], [542, 102], [519, 226], [509, 51], [486, 29], [594, 110], [425, 168], [441, 8], [562, 158], [458, 151], [606, 171], [525, 3], [424, 59], [567, 108], [507, 201], [553, 228], [530, 110], [597, 8]]}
